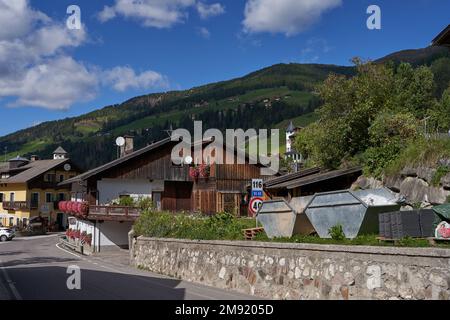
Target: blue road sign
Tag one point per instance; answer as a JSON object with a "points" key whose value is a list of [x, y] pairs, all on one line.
{"points": [[257, 193]]}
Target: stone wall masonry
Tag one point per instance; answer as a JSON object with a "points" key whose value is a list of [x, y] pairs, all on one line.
{"points": [[300, 271]]}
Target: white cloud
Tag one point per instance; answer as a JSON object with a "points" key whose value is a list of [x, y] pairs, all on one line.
{"points": [[106, 14], [151, 13], [205, 10], [204, 32], [124, 78], [159, 13], [17, 18], [54, 85], [36, 70], [284, 16]]}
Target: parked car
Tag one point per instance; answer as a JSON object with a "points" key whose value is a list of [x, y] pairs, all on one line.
{"points": [[6, 234]]}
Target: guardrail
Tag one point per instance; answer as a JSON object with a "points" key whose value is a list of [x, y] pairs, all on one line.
{"points": [[114, 211], [15, 205]]}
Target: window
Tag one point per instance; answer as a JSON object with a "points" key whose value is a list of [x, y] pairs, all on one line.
{"points": [[50, 177], [34, 200], [61, 197], [48, 197], [1, 197], [61, 178], [11, 197]]}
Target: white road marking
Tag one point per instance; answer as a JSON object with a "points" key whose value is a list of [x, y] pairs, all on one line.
{"points": [[10, 283], [67, 251]]}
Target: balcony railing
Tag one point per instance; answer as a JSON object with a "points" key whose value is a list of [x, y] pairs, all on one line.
{"points": [[114, 212], [15, 205]]}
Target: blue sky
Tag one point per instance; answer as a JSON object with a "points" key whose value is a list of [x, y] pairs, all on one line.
{"points": [[123, 51]]}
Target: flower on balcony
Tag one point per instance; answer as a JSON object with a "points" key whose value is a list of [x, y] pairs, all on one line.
{"points": [[205, 170], [194, 172]]}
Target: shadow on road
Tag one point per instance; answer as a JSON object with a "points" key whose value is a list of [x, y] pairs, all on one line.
{"points": [[34, 260], [50, 283], [11, 253]]}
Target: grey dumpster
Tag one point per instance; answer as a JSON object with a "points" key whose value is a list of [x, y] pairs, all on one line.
{"points": [[282, 219], [356, 211]]}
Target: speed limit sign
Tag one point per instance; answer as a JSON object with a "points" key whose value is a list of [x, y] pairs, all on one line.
{"points": [[254, 205]]}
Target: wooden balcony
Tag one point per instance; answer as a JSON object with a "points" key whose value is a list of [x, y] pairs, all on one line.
{"points": [[113, 213], [15, 205]]}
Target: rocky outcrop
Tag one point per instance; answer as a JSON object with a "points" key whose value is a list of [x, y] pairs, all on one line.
{"points": [[414, 183]]}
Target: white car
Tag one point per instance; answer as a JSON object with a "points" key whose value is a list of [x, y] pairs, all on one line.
{"points": [[6, 234]]}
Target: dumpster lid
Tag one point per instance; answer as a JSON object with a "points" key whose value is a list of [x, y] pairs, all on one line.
{"points": [[443, 210], [376, 197]]}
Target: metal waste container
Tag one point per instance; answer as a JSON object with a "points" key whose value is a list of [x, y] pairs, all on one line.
{"points": [[281, 219], [356, 211]]}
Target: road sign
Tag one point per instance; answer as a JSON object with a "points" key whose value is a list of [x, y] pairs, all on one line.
{"points": [[257, 193], [254, 205], [257, 184]]}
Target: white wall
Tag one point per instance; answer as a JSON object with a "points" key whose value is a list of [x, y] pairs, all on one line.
{"points": [[113, 233], [106, 235], [110, 189]]}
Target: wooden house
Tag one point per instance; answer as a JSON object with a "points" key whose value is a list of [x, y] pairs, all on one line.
{"points": [[29, 188], [149, 172]]}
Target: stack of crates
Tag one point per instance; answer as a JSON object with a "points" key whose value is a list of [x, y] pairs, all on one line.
{"points": [[401, 224]]}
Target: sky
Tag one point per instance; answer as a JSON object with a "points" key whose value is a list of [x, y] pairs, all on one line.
{"points": [[126, 48]]}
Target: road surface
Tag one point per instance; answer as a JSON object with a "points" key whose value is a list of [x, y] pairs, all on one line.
{"points": [[36, 268]]}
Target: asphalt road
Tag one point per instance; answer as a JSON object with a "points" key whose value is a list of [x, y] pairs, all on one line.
{"points": [[36, 268]]}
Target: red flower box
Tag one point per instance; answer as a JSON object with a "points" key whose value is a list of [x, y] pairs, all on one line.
{"points": [[194, 172]]}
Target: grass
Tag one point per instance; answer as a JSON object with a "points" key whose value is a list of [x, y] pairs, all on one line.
{"points": [[363, 240], [224, 226], [421, 152], [301, 121], [30, 147]]}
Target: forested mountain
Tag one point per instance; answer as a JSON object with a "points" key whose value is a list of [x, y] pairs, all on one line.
{"points": [[262, 99]]}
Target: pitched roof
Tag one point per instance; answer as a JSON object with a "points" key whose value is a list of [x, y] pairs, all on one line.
{"points": [[33, 170], [137, 153], [60, 150], [116, 162], [19, 158], [443, 38], [291, 176], [313, 178]]}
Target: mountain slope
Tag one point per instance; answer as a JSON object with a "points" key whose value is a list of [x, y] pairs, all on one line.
{"points": [[263, 99], [258, 100]]}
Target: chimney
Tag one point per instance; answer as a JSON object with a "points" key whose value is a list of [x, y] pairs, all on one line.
{"points": [[34, 158], [128, 147]]}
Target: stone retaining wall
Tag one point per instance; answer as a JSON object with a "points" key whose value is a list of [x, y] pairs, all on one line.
{"points": [[300, 271]]}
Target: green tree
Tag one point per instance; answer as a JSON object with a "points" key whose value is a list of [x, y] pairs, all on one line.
{"points": [[377, 110], [389, 134]]}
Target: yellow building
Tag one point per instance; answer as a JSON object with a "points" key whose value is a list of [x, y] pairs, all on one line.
{"points": [[29, 188]]}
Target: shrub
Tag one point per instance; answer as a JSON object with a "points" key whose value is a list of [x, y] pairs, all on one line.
{"points": [[337, 233], [222, 226], [126, 202], [389, 133], [420, 152], [145, 203], [440, 172]]}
